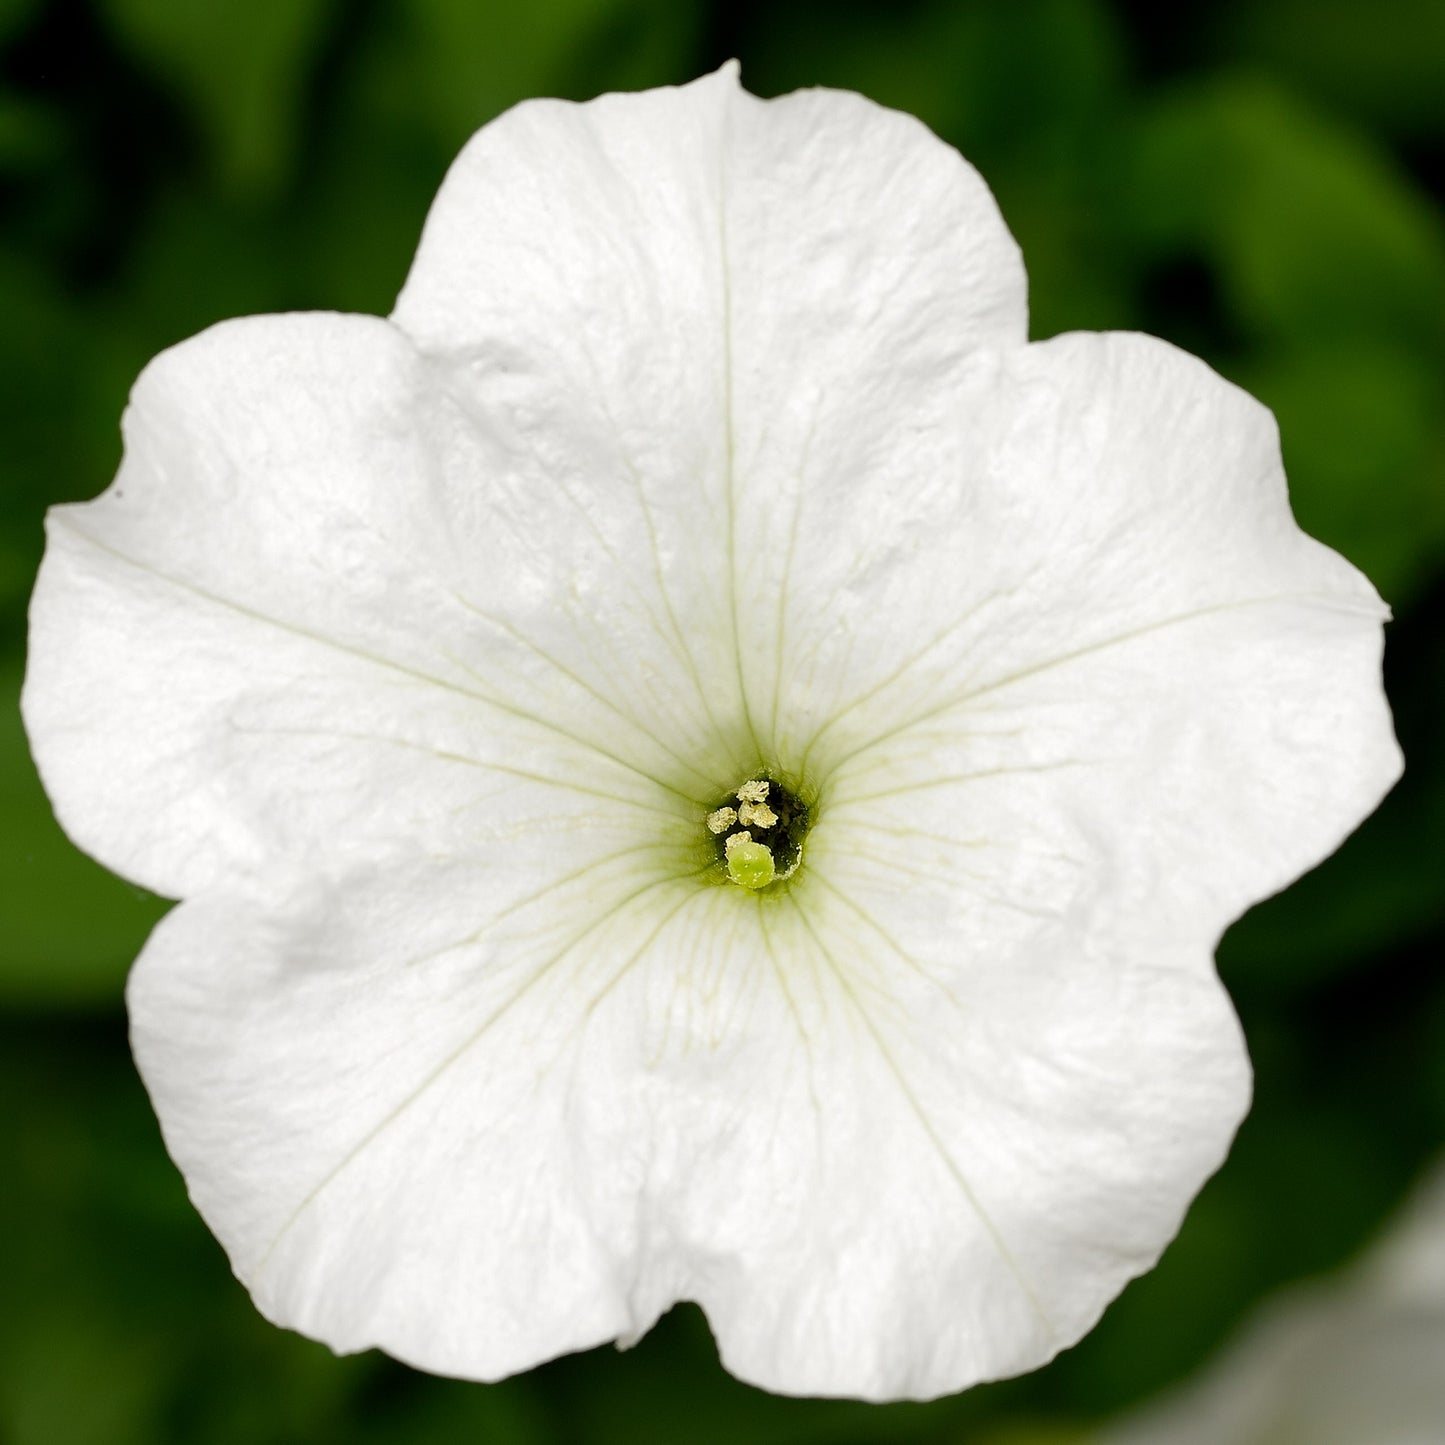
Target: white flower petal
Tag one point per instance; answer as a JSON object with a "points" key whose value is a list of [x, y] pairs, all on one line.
{"points": [[674, 304], [1112, 591], [980, 1153], [479, 1137], [845, 231], [393, 1106], [283, 627]]}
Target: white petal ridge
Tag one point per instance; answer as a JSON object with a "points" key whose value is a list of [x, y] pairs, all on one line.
{"points": [[413, 655]]}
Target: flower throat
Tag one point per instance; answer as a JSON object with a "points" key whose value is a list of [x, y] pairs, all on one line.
{"points": [[758, 832]]}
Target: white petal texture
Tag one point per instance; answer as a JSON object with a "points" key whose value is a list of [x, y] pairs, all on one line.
{"points": [[704, 445]]}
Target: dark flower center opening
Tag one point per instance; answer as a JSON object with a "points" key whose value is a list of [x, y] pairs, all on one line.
{"points": [[758, 831]]}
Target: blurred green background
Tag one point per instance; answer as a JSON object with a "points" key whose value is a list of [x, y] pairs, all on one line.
{"points": [[1259, 181]]}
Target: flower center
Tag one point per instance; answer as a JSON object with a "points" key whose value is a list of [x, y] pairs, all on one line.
{"points": [[758, 832]]}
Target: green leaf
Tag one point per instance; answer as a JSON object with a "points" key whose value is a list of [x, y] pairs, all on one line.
{"points": [[239, 65], [1033, 1433], [460, 63], [72, 1378], [1384, 61], [30, 134], [1363, 430], [1333, 266], [994, 79], [123, 1324], [16, 574], [14, 16], [1314, 232], [61, 438]]}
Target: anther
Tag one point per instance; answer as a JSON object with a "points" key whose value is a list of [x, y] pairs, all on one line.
{"points": [[756, 815]]}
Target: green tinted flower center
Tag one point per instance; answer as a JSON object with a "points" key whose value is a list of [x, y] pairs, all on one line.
{"points": [[758, 832]]}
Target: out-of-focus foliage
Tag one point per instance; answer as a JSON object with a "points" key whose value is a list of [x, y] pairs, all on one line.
{"points": [[1381, 62], [1258, 180], [1354, 1360], [240, 68], [1331, 264]]}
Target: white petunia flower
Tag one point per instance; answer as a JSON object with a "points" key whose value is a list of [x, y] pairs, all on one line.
{"points": [[435, 662]]}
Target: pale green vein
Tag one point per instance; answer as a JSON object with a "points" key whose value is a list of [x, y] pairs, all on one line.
{"points": [[635, 957], [786, 580], [899, 672], [945, 1155], [681, 648], [967, 880], [948, 779], [526, 901], [459, 759], [968, 697], [730, 446], [492, 1019], [618, 567], [902, 954], [577, 680], [804, 1038], [389, 664]]}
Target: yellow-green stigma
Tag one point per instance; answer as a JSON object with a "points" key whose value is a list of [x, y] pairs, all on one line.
{"points": [[750, 864], [758, 832]]}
